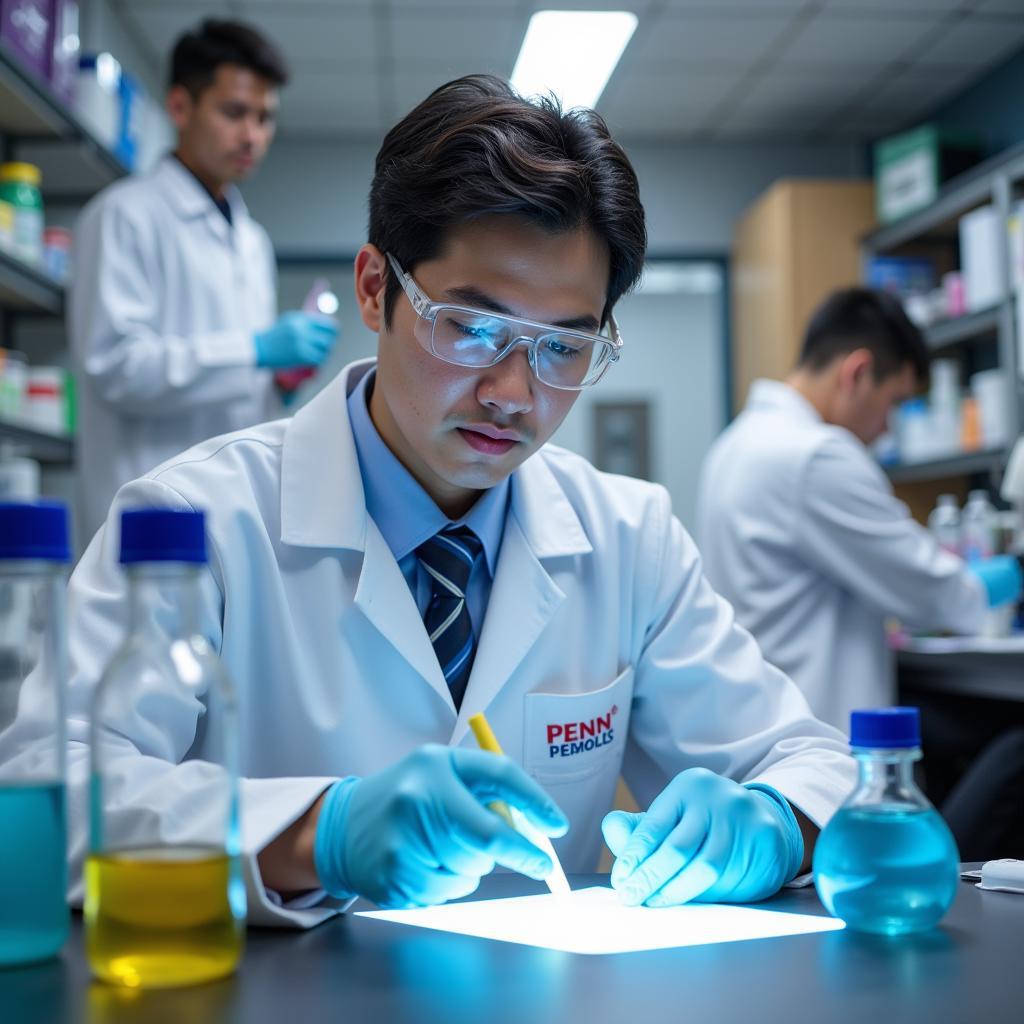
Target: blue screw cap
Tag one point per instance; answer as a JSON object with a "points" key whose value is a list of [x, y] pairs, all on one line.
{"points": [[885, 728], [163, 535], [34, 531]]}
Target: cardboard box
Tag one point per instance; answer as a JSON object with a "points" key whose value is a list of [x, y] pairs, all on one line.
{"points": [[912, 167]]}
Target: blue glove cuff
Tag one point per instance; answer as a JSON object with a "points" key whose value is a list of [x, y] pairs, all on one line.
{"points": [[790, 827], [1001, 577], [328, 846]]}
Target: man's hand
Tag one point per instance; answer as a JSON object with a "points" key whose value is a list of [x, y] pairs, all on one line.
{"points": [[704, 838]]}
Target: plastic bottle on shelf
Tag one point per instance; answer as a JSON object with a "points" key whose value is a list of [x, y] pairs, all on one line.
{"points": [[944, 404], [163, 910], [886, 862], [970, 424], [19, 188], [978, 527], [944, 523], [34, 553], [19, 476], [13, 384], [45, 407]]}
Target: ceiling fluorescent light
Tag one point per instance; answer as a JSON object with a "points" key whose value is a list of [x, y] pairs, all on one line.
{"points": [[571, 54]]}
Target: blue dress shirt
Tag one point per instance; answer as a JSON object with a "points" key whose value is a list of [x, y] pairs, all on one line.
{"points": [[407, 516]]}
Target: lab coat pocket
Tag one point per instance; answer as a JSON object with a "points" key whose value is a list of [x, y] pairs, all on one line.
{"points": [[574, 742]]}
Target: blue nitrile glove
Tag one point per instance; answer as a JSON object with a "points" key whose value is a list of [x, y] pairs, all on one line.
{"points": [[297, 339], [704, 838], [1002, 578], [420, 832]]}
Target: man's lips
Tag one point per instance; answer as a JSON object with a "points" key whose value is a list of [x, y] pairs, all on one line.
{"points": [[489, 440]]}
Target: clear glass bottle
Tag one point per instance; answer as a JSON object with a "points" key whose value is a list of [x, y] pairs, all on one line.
{"points": [[978, 527], [34, 553], [886, 862], [944, 523], [164, 896]]}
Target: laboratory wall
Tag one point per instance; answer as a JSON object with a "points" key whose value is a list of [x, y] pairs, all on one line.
{"points": [[311, 194]]}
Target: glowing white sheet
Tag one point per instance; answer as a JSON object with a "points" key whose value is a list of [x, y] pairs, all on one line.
{"points": [[595, 921]]}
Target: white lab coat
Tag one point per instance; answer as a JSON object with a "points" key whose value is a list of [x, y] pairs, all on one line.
{"points": [[600, 622], [800, 531], [165, 298]]}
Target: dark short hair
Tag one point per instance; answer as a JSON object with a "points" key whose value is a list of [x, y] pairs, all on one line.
{"points": [[475, 147], [198, 53], [856, 318]]}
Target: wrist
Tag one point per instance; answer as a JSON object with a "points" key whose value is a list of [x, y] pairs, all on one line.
{"points": [[791, 831], [328, 843]]}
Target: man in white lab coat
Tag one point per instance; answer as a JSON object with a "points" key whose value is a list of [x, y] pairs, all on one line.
{"points": [[172, 307], [407, 551], [799, 526]]}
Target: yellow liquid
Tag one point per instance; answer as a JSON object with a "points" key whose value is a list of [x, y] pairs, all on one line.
{"points": [[161, 917]]}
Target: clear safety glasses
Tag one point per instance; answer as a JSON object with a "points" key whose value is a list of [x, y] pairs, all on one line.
{"points": [[561, 358]]}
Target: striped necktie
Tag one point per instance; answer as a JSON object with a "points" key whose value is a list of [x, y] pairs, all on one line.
{"points": [[448, 557]]}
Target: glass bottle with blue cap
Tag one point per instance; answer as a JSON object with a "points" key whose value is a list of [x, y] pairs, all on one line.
{"points": [[34, 553], [164, 907], [886, 862]]}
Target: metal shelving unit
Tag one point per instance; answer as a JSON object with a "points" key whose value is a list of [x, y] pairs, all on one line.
{"points": [[993, 182], [987, 460], [963, 329], [36, 125], [43, 447]]}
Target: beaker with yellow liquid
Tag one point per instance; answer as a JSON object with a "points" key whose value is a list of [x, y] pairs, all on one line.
{"points": [[164, 895]]}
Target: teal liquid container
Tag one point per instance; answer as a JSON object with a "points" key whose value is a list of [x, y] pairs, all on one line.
{"points": [[34, 553], [886, 863]]}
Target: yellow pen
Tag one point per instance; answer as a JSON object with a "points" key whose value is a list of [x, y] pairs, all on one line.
{"points": [[556, 881]]}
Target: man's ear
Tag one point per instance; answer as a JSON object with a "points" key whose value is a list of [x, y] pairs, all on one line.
{"points": [[857, 368], [371, 275], [179, 105]]}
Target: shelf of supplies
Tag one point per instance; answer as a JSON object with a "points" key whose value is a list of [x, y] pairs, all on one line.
{"points": [[55, 449], [72, 159], [985, 461], [963, 328], [959, 195], [25, 289]]}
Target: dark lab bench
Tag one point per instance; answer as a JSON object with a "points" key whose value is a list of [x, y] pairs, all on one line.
{"points": [[353, 970], [997, 675]]}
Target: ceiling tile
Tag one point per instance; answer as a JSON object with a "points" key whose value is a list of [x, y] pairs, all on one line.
{"points": [[469, 42], [639, 7], [848, 38], [160, 26], [661, 102], [675, 37], [315, 7], [788, 83], [745, 6], [894, 6], [999, 6], [921, 88], [976, 42], [330, 39]]}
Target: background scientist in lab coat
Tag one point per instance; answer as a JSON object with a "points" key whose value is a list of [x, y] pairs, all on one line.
{"points": [[407, 551], [172, 306], [800, 529]]}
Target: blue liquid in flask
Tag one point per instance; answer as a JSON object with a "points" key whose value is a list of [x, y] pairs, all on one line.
{"points": [[34, 915], [887, 871]]}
